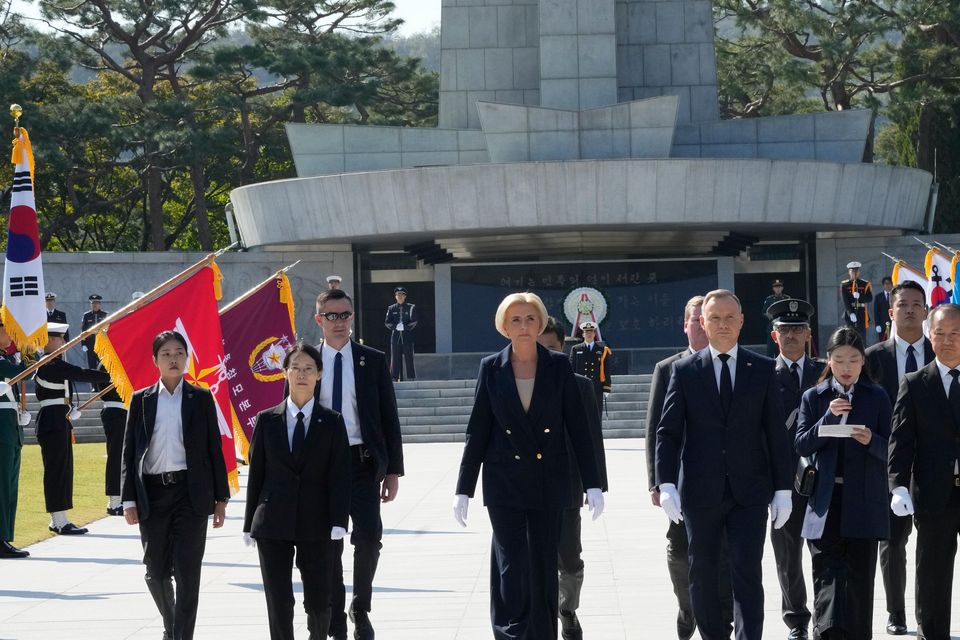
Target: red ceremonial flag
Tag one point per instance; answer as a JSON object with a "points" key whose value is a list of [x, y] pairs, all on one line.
{"points": [[191, 309], [257, 330]]}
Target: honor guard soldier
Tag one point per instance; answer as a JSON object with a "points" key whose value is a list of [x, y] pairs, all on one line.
{"points": [[776, 296], [54, 390], [856, 294], [401, 320], [113, 416], [589, 359], [90, 318], [11, 443], [796, 372], [54, 314], [333, 282], [881, 310]]}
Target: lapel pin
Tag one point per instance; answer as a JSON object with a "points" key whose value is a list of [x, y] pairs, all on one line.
{"points": [[749, 364], [362, 361]]}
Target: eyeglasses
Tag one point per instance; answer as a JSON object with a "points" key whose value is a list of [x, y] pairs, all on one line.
{"points": [[790, 328], [333, 317]]}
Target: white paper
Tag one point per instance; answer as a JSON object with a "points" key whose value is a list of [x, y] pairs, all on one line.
{"points": [[837, 430]]}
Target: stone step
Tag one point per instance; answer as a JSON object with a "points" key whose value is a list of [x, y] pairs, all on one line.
{"points": [[451, 420], [413, 394], [435, 402], [622, 424], [435, 384], [622, 433]]}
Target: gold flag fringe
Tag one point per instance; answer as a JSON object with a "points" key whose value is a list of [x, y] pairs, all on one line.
{"points": [[111, 362], [21, 145], [217, 280], [32, 342], [286, 297], [233, 478]]}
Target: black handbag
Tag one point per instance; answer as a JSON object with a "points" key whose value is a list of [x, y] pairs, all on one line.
{"points": [[806, 479]]}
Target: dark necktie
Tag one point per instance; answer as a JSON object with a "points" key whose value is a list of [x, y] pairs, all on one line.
{"points": [[299, 434], [338, 383], [795, 370], [954, 394], [911, 364], [726, 383]]}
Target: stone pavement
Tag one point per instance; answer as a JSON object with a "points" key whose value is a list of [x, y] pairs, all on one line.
{"points": [[432, 583]]}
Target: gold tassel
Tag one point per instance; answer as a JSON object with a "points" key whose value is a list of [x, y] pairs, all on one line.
{"points": [[36, 340], [21, 145], [111, 362], [217, 280], [286, 297]]}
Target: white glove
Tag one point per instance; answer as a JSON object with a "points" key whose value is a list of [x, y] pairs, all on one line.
{"points": [[74, 414], [856, 295], [781, 507], [4, 388], [24, 418], [249, 540], [900, 503], [17, 357], [670, 502], [399, 326], [606, 394], [460, 505], [879, 329], [595, 502], [84, 347], [853, 317], [337, 533]]}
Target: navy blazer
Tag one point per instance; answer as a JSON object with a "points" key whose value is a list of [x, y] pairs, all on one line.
{"points": [[882, 365], [865, 496], [524, 454], [699, 448]]}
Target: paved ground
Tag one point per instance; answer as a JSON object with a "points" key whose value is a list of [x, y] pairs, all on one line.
{"points": [[432, 581]]}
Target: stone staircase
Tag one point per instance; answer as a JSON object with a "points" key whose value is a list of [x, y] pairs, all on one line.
{"points": [[438, 410]]}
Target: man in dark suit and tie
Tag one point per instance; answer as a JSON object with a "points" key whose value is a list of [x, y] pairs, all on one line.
{"points": [[722, 439], [888, 362], [357, 384], [881, 309], [54, 314], [796, 372], [924, 470], [173, 479]]}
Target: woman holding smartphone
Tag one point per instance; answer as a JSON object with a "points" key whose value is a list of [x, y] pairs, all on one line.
{"points": [[847, 513]]}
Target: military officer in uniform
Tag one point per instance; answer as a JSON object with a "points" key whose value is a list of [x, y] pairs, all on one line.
{"points": [[589, 359], [11, 442], [401, 320], [776, 296], [54, 390], [881, 310], [113, 416], [54, 314], [856, 294], [90, 318], [795, 372]]}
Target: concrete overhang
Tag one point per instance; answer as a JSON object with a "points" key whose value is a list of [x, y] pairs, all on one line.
{"points": [[635, 194]]}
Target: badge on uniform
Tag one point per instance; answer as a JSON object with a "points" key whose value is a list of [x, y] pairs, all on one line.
{"points": [[362, 361]]}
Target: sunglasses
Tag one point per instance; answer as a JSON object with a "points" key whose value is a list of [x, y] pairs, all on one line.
{"points": [[333, 317]]}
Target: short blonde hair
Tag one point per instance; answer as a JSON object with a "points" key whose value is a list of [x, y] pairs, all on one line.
{"points": [[520, 298], [717, 294], [692, 303]]}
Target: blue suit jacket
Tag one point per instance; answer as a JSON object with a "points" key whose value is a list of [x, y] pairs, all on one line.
{"points": [[698, 447], [524, 454], [865, 495]]}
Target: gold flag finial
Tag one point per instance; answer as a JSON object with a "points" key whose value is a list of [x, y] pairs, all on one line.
{"points": [[16, 111]]}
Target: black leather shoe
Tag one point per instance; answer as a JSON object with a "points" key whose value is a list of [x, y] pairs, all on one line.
{"points": [[338, 626], [570, 626], [362, 629], [897, 624], [68, 529], [7, 550], [116, 511], [797, 633]]}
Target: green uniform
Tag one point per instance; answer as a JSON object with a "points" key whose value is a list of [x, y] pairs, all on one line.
{"points": [[11, 442]]}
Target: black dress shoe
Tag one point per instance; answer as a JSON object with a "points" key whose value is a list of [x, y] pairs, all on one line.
{"points": [[570, 626], [797, 633], [362, 629], [115, 511], [897, 624], [7, 550], [68, 529]]}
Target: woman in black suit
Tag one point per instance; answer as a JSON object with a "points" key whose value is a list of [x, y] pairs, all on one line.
{"points": [[527, 401], [298, 496], [847, 513]]}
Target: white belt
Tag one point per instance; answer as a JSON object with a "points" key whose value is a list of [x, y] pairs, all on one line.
{"points": [[9, 405], [59, 386], [113, 404], [55, 402]]}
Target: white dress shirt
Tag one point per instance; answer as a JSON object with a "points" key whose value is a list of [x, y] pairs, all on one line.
{"points": [[349, 399], [165, 452], [589, 345], [787, 361], [292, 411], [947, 380], [918, 353], [731, 364]]}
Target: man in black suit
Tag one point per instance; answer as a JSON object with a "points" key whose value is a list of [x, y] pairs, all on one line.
{"points": [[173, 479], [881, 309], [722, 438], [888, 362], [795, 374], [94, 316], [924, 469], [357, 384], [54, 314]]}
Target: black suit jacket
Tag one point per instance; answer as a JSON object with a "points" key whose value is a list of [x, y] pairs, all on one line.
{"points": [[206, 471], [881, 309], [790, 394], [298, 497], [925, 440], [882, 365], [585, 385], [587, 362], [376, 408], [58, 316], [658, 391], [524, 454], [698, 447]]}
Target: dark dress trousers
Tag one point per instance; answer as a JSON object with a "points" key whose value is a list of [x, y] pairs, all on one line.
{"points": [[293, 500], [11, 443], [678, 565], [380, 454], [113, 416], [173, 516], [402, 342], [844, 556], [924, 448], [54, 389], [882, 364], [786, 541], [881, 315], [569, 562], [526, 484], [726, 467]]}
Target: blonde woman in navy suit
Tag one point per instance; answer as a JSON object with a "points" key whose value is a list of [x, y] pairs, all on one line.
{"points": [[527, 400]]}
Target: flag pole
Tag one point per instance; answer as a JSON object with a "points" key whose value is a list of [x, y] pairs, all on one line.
{"points": [[950, 249], [119, 313], [96, 397], [256, 288]]}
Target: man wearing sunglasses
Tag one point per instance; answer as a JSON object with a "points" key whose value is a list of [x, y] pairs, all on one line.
{"points": [[356, 383]]}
